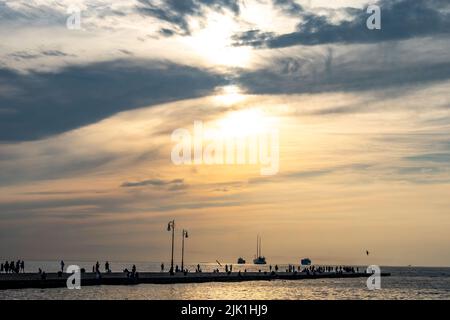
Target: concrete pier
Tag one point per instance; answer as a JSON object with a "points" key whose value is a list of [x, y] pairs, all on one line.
{"points": [[53, 280]]}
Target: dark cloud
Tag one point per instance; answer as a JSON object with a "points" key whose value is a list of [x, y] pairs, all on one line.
{"points": [[54, 53], [153, 182], [126, 52], [177, 12], [288, 6], [289, 76], [431, 157], [166, 32], [28, 55], [54, 102], [401, 19]]}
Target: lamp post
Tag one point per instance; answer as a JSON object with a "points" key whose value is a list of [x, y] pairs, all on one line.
{"points": [[171, 227], [185, 235]]}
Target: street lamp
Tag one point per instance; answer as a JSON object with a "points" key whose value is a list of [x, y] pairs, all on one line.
{"points": [[185, 235], [171, 227]]}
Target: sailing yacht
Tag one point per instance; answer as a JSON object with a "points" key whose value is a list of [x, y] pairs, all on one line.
{"points": [[259, 258]]}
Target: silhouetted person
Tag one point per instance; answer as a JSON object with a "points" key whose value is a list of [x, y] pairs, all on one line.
{"points": [[40, 271], [177, 269], [231, 268], [162, 267], [97, 267], [62, 266], [133, 269], [22, 266], [1, 268], [226, 268], [107, 266], [11, 266], [276, 268], [270, 268]]}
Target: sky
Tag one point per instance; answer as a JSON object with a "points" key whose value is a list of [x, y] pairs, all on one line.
{"points": [[88, 115]]}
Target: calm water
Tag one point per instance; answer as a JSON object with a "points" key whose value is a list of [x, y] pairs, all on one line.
{"points": [[405, 283]]}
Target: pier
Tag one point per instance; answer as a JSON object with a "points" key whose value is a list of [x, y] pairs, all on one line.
{"points": [[55, 280]]}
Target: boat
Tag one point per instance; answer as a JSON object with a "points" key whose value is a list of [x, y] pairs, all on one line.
{"points": [[241, 260], [259, 259], [305, 262]]}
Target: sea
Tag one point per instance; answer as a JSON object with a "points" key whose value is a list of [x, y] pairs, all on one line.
{"points": [[431, 283]]}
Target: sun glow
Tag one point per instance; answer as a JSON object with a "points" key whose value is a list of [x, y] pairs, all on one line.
{"points": [[229, 95], [244, 123], [213, 42]]}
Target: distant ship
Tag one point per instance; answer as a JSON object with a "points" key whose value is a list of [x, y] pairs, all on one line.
{"points": [[305, 262], [259, 258], [241, 261]]}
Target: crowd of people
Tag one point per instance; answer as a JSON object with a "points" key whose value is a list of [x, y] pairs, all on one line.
{"points": [[323, 269], [273, 269], [19, 267], [13, 267]]}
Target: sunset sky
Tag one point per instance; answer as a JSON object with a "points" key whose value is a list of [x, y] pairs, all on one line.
{"points": [[86, 118]]}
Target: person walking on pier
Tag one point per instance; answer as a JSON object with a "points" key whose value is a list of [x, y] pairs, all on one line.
{"points": [[22, 266], [162, 267], [62, 266], [107, 267], [97, 267]]}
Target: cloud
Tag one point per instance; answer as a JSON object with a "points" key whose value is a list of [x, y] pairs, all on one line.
{"points": [[311, 174], [48, 103], [152, 182], [288, 6], [400, 20], [431, 157], [27, 55], [32, 13], [178, 12], [331, 72]]}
